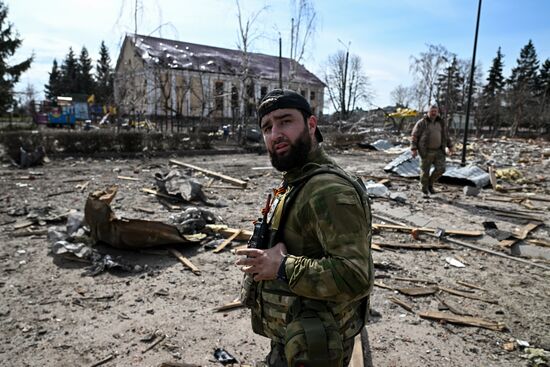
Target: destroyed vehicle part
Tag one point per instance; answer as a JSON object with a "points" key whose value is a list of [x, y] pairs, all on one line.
{"points": [[125, 233]]}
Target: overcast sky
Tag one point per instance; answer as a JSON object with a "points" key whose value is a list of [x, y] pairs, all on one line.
{"points": [[384, 33]]}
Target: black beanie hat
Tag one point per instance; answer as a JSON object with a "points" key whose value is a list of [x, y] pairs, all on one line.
{"points": [[285, 98]]}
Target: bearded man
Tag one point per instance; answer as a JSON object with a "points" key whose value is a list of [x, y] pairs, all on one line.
{"points": [[313, 276]]}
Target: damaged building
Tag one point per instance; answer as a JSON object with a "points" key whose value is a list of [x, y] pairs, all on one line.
{"points": [[162, 77]]}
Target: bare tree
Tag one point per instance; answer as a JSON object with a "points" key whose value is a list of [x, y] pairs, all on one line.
{"points": [[402, 96], [302, 29], [248, 33], [427, 66], [347, 84]]}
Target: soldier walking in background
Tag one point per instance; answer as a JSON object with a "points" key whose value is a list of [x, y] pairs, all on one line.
{"points": [[430, 138]]}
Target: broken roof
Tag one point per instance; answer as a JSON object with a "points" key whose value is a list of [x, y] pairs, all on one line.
{"points": [[189, 56]]}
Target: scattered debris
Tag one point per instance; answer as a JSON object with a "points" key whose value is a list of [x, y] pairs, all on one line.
{"points": [[454, 262], [463, 320], [126, 233], [224, 357], [185, 261], [407, 166], [222, 177]]}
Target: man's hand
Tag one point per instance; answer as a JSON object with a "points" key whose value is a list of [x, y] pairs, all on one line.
{"points": [[450, 151], [414, 152], [263, 264]]}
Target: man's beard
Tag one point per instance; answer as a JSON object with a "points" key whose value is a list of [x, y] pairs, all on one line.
{"points": [[296, 156]]}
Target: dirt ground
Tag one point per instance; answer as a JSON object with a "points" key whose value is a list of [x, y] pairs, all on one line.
{"points": [[53, 315]]}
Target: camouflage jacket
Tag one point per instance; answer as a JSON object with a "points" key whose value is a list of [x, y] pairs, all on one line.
{"points": [[420, 135], [327, 232]]}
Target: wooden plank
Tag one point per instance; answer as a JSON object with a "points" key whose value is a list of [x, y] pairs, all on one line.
{"points": [[222, 177], [227, 241], [154, 192], [450, 307], [185, 261], [382, 285], [508, 243], [426, 230], [462, 320], [23, 224], [416, 246], [524, 231], [226, 231], [401, 303], [469, 285], [414, 280], [417, 291], [229, 306], [466, 295], [538, 242], [127, 178], [357, 359]]}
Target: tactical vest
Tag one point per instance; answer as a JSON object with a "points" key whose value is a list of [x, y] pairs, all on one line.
{"points": [[274, 299]]}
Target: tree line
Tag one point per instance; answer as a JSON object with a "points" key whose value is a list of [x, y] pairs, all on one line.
{"points": [[518, 102], [74, 76]]}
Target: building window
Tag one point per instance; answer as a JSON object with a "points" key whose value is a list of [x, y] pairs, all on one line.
{"points": [[218, 93], [312, 96], [303, 93], [250, 90], [234, 97], [263, 92]]}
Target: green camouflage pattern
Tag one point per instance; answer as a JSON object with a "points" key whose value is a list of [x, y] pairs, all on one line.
{"points": [[435, 157], [328, 236]]}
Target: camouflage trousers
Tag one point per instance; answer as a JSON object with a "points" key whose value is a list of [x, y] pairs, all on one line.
{"points": [[435, 157], [276, 357]]}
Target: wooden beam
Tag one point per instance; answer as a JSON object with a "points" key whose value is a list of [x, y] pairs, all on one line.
{"points": [[229, 306], [426, 230], [462, 320], [401, 303], [127, 178], [222, 177], [471, 246], [524, 231], [227, 241], [357, 359], [185, 261], [416, 246], [466, 295]]}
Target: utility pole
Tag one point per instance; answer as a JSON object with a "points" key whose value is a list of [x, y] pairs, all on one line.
{"points": [[280, 63], [471, 87]]}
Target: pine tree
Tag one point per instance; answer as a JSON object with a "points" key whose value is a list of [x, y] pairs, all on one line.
{"points": [[544, 80], [544, 95], [104, 77], [523, 86], [492, 95], [84, 80], [53, 88], [9, 74], [448, 89], [69, 74], [495, 80]]}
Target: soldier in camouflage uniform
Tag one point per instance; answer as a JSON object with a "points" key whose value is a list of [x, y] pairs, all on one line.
{"points": [[313, 280], [429, 139]]}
